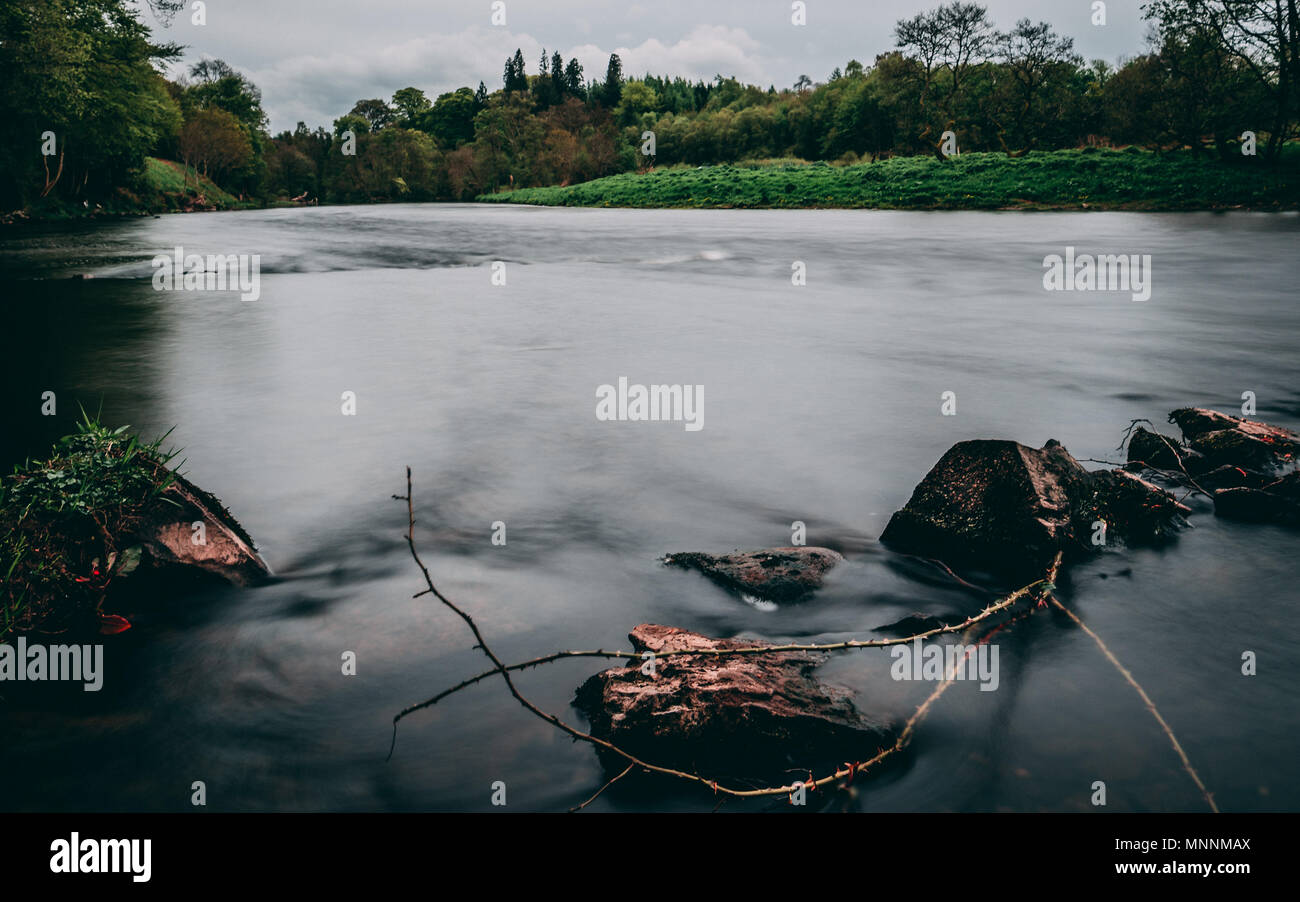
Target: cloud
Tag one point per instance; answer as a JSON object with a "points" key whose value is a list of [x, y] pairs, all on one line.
{"points": [[706, 51], [318, 88]]}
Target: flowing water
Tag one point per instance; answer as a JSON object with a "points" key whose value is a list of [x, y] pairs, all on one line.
{"points": [[821, 404]]}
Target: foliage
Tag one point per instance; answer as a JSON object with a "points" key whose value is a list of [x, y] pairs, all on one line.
{"points": [[1088, 178], [62, 520], [1215, 70]]}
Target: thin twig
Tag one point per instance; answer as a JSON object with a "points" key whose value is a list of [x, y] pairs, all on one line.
{"points": [[1146, 700], [607, 785], [1178, 455]]}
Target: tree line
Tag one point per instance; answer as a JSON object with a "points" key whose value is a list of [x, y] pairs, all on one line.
{"points": [[89, 72]]}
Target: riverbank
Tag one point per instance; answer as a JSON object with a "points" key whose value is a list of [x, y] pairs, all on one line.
{"points": [[163, 187], [1086, 179]]}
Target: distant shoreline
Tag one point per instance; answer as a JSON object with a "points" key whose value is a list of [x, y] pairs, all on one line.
{"points": [[1088, 179], [1085, 179]]}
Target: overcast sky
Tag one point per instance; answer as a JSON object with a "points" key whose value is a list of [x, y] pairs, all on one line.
{"points": [[314, 58]]}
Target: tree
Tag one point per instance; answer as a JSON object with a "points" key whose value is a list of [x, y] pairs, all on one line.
{"points": [[612, 89], [516, 79], [966, 35], [84, 70], [802, 83], [214, 83], [558, 84], [375, 112], [451, 119], [922, 38], [1035, 57], [573, 84], [410, 104], [1262, 36], [508, 142], [944, 42], [213, 141], [637, 100], [391, 165]]}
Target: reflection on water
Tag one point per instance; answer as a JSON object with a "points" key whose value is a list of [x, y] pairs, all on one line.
{"points": [[823, 406]]}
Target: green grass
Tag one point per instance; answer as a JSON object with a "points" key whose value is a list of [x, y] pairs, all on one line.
{"points": [[169, 188], [162, 187], [60, 523], [1089, 178]]}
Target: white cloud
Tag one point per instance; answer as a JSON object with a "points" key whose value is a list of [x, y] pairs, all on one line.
{"points": [[317, 88], [704, 52]]}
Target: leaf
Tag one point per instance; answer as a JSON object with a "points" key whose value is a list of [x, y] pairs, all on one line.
{"points": [[129, 561], [112, 624]]}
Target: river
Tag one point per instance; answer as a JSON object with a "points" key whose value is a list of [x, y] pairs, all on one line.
{"points": [[822, 404]]}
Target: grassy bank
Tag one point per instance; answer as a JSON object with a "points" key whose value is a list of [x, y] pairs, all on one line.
{"points": [[163, 187], [60, 523], [1089, 178], [168, 189]]}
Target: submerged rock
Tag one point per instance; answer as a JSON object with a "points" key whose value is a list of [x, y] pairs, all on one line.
{"points": [[774, 574], [1005, 508], [916, 623], [724, 715]]}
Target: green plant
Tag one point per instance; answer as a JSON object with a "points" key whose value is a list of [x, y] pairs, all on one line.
{"points": [[63, 519]]}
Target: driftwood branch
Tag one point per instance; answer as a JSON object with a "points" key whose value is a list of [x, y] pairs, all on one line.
{"points": [[974, 619], [847, 772], [1146, 700]]}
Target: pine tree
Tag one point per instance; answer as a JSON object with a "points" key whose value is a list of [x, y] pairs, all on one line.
{"points": [[516, 78], [612, 90], [573, 79], [557, 78]]}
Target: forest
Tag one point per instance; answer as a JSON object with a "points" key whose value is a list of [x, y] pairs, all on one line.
{"points": [[89, 105]]}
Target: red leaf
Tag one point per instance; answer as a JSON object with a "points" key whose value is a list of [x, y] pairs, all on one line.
{"points": [[112, 624]]}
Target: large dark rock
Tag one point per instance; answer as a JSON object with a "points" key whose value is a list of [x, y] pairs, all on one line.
{"points": [[1005, 508], [737, 715], [1276, 502], [774, 574], [1155, 450], [1224, 440]]}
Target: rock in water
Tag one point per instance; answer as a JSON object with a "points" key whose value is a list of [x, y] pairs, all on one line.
{"points": [[1277, 502], [774, 574], [916, 623], [1155, 450], [1005, 508], [1224, 440], [736, 715], [168, 536]]}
